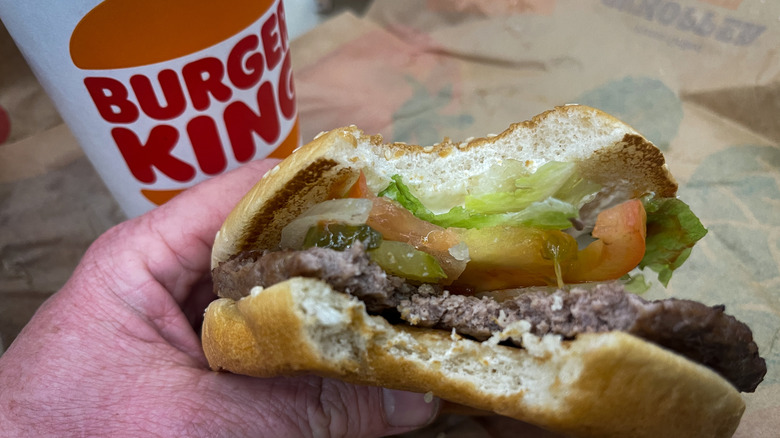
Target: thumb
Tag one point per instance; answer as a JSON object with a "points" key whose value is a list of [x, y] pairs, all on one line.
{"points": [[319, 407]]}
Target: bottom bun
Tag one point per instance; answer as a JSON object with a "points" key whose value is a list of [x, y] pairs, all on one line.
{"points": [[599, 385]]}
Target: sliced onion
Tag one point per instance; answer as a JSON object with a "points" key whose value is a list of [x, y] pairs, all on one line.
{"points": [[348, 211]]}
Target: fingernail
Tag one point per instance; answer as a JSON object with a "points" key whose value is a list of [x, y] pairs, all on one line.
{"points": [[409, 409]]}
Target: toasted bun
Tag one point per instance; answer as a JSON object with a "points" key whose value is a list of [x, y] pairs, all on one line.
{"points": [[600, 385], [608, 152]]}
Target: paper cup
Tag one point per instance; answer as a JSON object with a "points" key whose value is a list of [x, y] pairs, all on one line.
{"points": [[162, 95]]}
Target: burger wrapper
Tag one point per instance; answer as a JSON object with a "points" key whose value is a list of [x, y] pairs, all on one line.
{"points": [[701, 79]]}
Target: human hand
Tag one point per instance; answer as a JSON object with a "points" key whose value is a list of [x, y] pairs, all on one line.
{"points": [[114, 352]]}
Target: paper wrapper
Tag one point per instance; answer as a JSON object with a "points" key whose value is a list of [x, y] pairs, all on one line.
{"points": [[701, 79]]}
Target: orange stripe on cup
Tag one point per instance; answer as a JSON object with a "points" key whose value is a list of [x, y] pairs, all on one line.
{"points": [[160, 197], [129, 33]]}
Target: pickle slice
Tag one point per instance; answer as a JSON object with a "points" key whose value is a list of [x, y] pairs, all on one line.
{"points": [[341, 236], [404, 260]]}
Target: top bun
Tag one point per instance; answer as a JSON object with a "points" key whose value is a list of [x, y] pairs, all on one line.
{"points": [[607, 151]]}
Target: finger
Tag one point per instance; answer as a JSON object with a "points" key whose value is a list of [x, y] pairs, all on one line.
{"points": [[313, 406]]}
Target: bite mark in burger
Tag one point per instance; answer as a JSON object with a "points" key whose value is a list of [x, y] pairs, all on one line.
{"points": [[517, 246]]}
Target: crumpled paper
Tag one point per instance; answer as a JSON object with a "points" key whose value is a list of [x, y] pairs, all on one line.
{"points": [[700, 78]]}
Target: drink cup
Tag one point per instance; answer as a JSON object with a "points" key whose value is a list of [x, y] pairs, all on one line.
{"points": [[162, 94]]}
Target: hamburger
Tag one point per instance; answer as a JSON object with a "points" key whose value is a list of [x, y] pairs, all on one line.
{"points": [[493, 273]]}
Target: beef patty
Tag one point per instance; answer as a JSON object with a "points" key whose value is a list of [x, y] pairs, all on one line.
{"points": [[704, 334]]}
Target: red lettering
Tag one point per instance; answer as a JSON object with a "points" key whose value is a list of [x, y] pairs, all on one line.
{"points": [[206, 82], [141, 158], [271, 44], [203, 78], [207, 145], [242, 123], [173, 95], [110, 97], [245, 74], [286, 89]]}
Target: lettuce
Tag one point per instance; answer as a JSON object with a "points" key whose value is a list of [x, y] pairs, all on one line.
{"points": [[399, 192], [548, 214], [555, 179], [636, 283], [546, 199], [538, 186], [672, 230]]}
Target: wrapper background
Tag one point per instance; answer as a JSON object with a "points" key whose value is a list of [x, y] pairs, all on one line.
{"points": [[700, 78]]}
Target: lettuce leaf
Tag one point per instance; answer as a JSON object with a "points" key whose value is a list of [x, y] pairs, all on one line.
{"points": [[546, 199], [672, 230], [538, 186], [555, 179], [636, 283], [548, 213], [399, 192]]}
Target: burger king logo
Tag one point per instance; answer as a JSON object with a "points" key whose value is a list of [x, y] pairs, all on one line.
{"points": [[185, 89]]}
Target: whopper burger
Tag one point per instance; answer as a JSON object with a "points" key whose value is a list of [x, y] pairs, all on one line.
{"points": [[491, 273]]}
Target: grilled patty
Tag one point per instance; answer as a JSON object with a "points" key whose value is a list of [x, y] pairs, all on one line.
{"points": [[704, 334]]}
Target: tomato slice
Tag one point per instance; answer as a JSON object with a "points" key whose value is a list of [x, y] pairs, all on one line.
{"points": [[621, 232], [360, 188], [512, 257]]}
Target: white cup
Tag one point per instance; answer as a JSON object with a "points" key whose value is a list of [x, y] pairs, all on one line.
{"points": [[163, 94]]}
